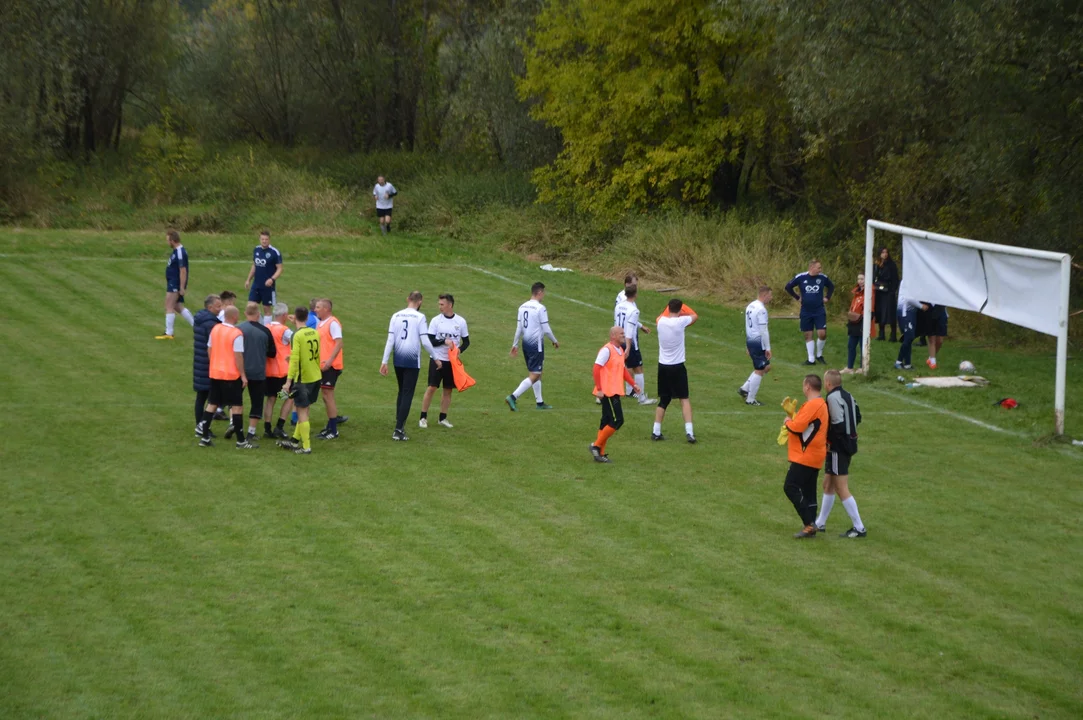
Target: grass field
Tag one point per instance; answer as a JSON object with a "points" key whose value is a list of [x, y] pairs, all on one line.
{"points": [[493, 570]]}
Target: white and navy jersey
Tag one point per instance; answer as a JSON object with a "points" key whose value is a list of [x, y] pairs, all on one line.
{"points": [[265, 260], [626, 315], [178, 258], [908, 307], [756, 325], [407, 333], [449, 329], [384, 195], [671, 339], [533, 326], [621, 297], [811, 290]]}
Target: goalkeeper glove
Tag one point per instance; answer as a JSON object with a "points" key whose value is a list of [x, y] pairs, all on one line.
{"points": [[790, 406], [783, 435]]}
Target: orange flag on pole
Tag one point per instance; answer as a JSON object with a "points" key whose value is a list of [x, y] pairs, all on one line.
{"points": [[462, 380]]}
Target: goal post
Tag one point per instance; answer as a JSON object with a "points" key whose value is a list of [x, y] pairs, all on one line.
{"points": [[1025, 287]]}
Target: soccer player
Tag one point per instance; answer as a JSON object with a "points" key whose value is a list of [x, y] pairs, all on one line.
{"points": [[908, 322], [407, 333], [626, 316], [277, 369], [330, 330], [807, 451], [312, 319], [176, 284], [629, 279], [447, 328], [610, 369], [815, 289], [228, 379], [205, 320], [259, 347], [229, 299], [757, 345], [532, 325], [937, 328], [844, 416], [672, 374], [266, 269], [384, 194], [305, 374]]}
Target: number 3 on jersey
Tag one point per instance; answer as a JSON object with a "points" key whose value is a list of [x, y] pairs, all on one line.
{"points": [[313, 350], [405, 329]]}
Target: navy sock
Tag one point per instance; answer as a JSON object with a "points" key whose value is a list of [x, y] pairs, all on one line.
{"points": [[443, 417]]}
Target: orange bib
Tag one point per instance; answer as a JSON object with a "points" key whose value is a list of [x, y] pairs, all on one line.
{"points": [[327, 343], [613, 372], [223, 362], [279, 365]]}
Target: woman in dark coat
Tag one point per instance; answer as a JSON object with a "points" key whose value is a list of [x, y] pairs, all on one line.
{"points": [[885, 277]]}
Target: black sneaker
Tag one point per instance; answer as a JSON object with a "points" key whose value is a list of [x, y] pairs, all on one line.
{"points": [[754, 403], [809, 362], [326, 434], [288, 444], [854, 533], [742, 392], [342, 419], [809, 531], [821, 360], [252, 439], [279, 434], [199, 431], [245, 445], [399, 436], [657, 437], [596, 453], [302, 451], [205, 442], [269, 435], [691, 439], [230, 432], [822, 528], [219, 415]]}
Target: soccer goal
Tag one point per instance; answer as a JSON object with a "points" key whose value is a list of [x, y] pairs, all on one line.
{"points": [[1017, 285]]}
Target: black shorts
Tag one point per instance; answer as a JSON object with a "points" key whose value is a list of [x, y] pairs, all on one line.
{"points": [[937, 322], [443, 375], [672, 382], [837, 463], [306, 394], [257, 391], [633, 358], [330, 377], [274, 385], [226, 393], [383, 212]]}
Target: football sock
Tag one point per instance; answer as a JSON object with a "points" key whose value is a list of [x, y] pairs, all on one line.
{"points": [[383, 228], [208, 418], [187, 315], [754, 386], [851, 509], [810, 345], [266, 426], [424, 414], [443, 417], [639, 382], [238, 426], [825, 509], [748, 383], [267, 319], [688, 429], [603, 437], [820, 346], [627, 389], [170, 320], [657, 428], [537, 392], [523, 387], [303, 429], [332, 424], [281, 423]]}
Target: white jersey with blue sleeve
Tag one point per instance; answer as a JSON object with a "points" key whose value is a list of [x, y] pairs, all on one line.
{"points": [[756, 325], [407, 333], [533, 326], [626, 316]]}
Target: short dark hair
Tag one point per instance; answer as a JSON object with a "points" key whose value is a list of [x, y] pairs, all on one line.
{"points": [[415, 296], [630, 291], [675, 305], [265, 233], [447, 296], [631, 278], [173, 235], [301, 313], [537, 288], [227, 295], [814, 382], [764, 289]]}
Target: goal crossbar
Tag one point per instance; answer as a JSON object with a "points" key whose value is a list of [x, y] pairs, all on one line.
{"points": [[1063, 259]]}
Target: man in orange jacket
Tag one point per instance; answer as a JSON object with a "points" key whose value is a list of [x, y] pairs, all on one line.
{"points": [[610, 374], [807, 450]]}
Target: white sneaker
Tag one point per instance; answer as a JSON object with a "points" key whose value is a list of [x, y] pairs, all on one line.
{"points": [[423, 423], [644, 400], [445, 423]]}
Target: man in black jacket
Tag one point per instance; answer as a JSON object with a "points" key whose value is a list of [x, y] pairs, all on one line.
{"points": [[841, 446], [204, 321]]}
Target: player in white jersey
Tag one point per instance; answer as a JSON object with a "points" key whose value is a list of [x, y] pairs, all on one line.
{"points": [[532, 325], [446, 329], [629, 279], [672, 375], [757, 345], [626, 317], [407, 333]]}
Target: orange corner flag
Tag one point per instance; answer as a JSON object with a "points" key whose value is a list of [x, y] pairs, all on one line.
{"points": [[462, 380]]}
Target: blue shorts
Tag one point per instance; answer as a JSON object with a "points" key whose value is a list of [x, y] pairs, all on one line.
{"points": [[814, 320], [262, 294], [534, 359], [757, 353], [633, 358]]}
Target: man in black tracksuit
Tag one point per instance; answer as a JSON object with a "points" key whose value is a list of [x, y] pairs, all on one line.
{"points": [[841, 446], [204, 322]]}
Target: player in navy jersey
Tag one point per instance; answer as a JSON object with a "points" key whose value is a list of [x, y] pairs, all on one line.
{"points": [[813, 289], [176, 282], [407, 333], [266, 269]]}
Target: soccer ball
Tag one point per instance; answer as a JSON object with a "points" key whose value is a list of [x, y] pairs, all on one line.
{"points": [[967, 367]]}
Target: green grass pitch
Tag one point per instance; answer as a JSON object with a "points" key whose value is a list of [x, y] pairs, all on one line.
{"points": [[493, 570]]}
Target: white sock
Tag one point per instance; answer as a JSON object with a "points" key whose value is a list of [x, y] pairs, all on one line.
{"points": [[639, 382], [170, 320], [825, 509], [851, 509], [523, 387], [537, 391], [748, 383], [820, 346], [658, 428], [187, 315], [753, 386], [810, 345], [267, 319], [627, 389], [688, 429]]}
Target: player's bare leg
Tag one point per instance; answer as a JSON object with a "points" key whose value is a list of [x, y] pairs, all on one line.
{"points": [[686, 411]]}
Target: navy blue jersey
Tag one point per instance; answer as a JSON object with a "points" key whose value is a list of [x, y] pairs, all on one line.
{"points": [[265, 261], [178, 258], [810, 290]]}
